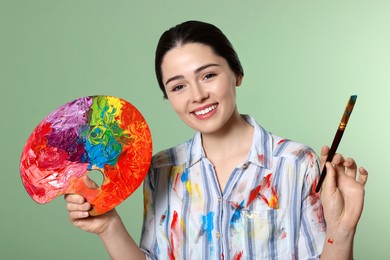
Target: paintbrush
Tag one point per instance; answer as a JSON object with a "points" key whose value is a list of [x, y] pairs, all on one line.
{"points": [[337, 137]]}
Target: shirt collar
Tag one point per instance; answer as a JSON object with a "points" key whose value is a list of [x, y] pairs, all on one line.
{"points": [[195, 150], [260, 152]]}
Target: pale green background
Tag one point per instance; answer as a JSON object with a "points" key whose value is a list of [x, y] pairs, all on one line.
{"points": [[302, 60]]}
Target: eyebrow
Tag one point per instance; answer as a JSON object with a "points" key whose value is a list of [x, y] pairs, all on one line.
{"points": [[195, 72]]}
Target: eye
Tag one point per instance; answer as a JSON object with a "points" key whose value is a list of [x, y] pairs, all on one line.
{"points": [[208, 76], [177, 88]]}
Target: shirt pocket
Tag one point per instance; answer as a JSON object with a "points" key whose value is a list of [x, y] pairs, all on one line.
{"points": [[262, 234]]}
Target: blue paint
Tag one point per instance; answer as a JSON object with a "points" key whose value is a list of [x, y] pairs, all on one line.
{"points": [[352, 100], [208, 225], [104, 152], [237, 214], [184, 176]]}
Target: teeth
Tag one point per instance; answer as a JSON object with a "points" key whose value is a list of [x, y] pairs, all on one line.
{"points": [[205, 111]]}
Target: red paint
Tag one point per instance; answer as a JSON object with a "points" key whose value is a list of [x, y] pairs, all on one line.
{"points": [[281, 141], [261, 158], [265, 183], [314, 197], [311, 158], [314, 201], [330, 241], [163, 216], [171, 255], [238, 256], [235, 205], [174, 220], [264, 199], [173, 232], [176, 181], [32, 189], [40, 140], [254, 193]]}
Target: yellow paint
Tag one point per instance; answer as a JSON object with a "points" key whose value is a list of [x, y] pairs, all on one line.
{"points": [[116, 104], [189, 188], [197, 190]]}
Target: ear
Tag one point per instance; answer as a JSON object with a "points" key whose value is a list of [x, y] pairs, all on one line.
{"points": [[239, 80]]}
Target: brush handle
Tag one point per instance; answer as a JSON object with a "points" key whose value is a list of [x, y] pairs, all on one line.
{"points": [[329, 158], [337, 138]]}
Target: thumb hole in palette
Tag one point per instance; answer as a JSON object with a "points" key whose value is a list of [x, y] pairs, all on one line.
{"points": [[97, 177]]}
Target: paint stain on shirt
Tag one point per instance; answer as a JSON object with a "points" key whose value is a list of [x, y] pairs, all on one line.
{"points": [[208, 226], [238, 256], [265, 187], [314, 201], [236, 216], [174, 235]]}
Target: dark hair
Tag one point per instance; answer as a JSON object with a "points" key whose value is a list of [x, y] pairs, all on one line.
{"points": [[196, 32]]}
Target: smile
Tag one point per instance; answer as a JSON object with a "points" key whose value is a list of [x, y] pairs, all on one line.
{"points": [[205, 111]]}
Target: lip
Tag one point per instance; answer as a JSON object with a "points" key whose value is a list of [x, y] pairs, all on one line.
{"points": [[203, 107], [207, 114]]}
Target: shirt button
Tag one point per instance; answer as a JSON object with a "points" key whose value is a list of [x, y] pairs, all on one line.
{"points": [[219, 199], [218, 235], [245, 165]]}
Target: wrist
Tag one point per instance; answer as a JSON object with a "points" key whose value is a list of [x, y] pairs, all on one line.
{"points": [[338, 243], [118, 242], [114, 228], [340, 235]]}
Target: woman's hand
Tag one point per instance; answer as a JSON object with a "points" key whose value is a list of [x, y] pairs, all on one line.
{"points": [[342, 193], [108, 226], [78, 209]]}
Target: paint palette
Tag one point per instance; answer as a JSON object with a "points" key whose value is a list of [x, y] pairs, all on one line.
{"points": [[103, 133]]}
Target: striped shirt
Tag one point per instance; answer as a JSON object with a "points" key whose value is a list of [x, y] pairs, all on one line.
{"points": [[268, 210]]}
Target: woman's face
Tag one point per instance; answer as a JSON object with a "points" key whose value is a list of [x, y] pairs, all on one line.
{"points": [[200, 86]]}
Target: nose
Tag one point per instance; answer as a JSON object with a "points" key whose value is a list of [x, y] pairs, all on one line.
{"points": [[199, 93]]}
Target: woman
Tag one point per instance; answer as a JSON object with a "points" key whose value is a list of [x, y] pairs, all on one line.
{"points": [[233, 191]]}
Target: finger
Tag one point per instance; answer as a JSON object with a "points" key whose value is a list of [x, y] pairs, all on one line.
{"points": [[330, 182], [338, 159], [78, 207], [75, 215], [324, 155], [351, 167], [338, 162], [74, 198], [363, 176]]}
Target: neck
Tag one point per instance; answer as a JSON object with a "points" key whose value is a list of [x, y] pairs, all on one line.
{"points": [[235, 137]]}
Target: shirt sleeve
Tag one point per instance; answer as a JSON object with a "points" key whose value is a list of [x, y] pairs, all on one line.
{"points": [[313, 228], [148, 236]]}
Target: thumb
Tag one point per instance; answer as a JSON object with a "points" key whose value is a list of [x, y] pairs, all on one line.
{"points": [[90, 183], [330, 181]]}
